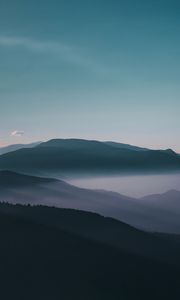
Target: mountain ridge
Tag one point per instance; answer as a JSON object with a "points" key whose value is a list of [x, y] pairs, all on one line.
{"points": [[141, 213], [45, 257], [91, 157], [14, 147]]}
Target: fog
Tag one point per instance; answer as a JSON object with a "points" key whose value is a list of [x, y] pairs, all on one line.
{"points": [[154, 213], [134, 185]]}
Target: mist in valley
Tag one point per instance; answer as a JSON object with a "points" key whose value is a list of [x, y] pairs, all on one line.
{"points": [[136, 185]]}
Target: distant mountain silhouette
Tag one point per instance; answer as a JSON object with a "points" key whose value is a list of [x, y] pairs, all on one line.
{"points": [[73, 156], [125, 146], [9, 179], [49, 253], [24, 189], [169, 201], [15, 147], [161, 214]]}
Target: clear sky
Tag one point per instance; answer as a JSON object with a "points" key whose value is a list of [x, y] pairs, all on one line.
{"points": [[98, 69]]}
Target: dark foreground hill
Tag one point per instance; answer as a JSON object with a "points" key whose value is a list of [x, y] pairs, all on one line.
{"points": [[49, 253], [73, 156], [161, 214]]}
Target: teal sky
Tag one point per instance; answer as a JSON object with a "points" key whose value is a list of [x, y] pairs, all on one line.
{"points": [[107, 70]]}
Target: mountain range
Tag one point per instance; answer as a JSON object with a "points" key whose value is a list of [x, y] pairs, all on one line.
{"points": [[60, 241], [15, 147], [153, 213], [65, 157]]}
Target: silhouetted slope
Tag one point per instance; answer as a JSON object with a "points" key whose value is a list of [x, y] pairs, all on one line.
{"points": [[24, 189], [9, 179], [95, 227], [169, 201], [15, 147], [81, 156], [76, 144], [141, 213], [41, 261], [125, 146]]}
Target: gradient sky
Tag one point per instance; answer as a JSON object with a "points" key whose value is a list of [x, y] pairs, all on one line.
{"points": [[107, 70]]}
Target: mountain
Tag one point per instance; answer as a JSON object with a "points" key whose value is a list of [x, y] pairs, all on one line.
{"points": [[60, 254], [96, 227], [169, 201], [15, 147], [141, 213], [80, 157], [125, 146], [9, 179], [25, 189]]}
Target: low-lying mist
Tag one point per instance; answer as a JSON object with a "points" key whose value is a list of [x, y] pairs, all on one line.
{"points": [[131, 185]]}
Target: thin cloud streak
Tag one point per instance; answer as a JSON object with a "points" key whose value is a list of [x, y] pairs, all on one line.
{"points": [[31, 44], [65, 52]]}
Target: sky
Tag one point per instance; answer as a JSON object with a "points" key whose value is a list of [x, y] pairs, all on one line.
{"points": [[106, 70]]}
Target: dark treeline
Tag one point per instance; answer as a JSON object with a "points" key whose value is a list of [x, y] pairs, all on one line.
{"points": [[50, 253]]}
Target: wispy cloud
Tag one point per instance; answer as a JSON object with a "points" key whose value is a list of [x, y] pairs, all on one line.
{"points": [[17, 133], [65, 52], [33, 45]]}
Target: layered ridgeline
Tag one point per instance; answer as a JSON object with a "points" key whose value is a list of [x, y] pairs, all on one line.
{"points": [[65, 254], [155, 213], [15, 147], [73, 156]]}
